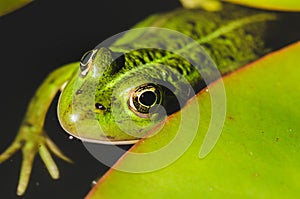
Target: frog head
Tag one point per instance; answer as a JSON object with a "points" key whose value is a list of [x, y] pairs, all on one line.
{"points": [[113, 99]]}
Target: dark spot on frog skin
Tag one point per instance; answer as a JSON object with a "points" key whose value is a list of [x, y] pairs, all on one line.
{"points": [[231, 58], [51, 81], [230, 117], [223, 37], [277, 139], [150, 57], [190, 22], [207, 45], [118, 62], [22, 142], [113, 98], [28, 124], [107, 137], [195, 33]]}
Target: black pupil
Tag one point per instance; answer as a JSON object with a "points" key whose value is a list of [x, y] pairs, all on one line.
{"points": [[148, 98]]}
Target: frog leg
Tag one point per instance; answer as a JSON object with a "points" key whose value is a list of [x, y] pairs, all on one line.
{"points": [[208, 5], [31, 137]]}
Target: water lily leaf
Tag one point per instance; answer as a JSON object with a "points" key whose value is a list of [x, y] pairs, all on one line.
{"points": [[287, 5], [7, 6], [256, 156]]}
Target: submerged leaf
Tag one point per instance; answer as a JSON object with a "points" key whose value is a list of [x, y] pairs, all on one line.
{"points": [[256, 155]]}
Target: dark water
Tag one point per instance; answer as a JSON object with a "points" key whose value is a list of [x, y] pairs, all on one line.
{"points": [[34, 41]]}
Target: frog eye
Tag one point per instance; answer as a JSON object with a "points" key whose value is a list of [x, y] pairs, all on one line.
{"points": [[85, 62], [143, 98]]}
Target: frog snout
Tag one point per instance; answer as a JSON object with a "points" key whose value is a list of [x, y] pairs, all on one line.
{"points": [[80, 121]]}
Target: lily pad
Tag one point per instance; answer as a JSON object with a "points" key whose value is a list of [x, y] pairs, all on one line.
{"points": [[7, 6], [256, 156]]}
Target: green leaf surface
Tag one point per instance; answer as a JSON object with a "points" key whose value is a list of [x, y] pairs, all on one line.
{"points": [[286, 5], [256, 156], [7, 6]]}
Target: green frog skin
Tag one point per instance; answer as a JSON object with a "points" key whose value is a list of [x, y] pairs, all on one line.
{"points": [[232, 37]]}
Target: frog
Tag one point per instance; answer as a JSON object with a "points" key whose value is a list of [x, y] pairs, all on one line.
{"points": [[110, 76]]}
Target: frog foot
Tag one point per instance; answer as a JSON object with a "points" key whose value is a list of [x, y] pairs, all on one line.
{"points": [[208, 5], [31, 141]]}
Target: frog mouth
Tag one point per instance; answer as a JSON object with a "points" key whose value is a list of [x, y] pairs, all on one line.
{"points": [[106, 140], [96, 137]]}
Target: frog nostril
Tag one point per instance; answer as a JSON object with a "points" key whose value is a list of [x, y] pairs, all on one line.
{"points": [[99, 106], [79, 91]]}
